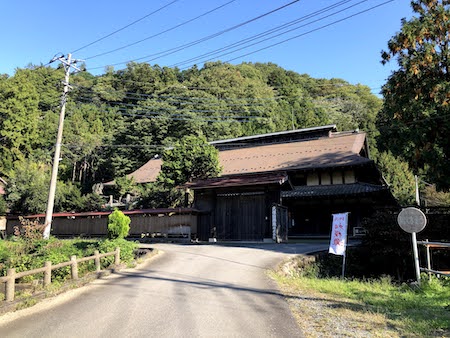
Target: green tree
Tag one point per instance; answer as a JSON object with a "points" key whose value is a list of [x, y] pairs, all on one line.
{"points": [[191, 158], [414, 120], [399, 177], [3, 206], [84, 134], [19, 121], [27, 187], [434, 198], [156, 195], [118, 224], [27, 191], [125, 185]]}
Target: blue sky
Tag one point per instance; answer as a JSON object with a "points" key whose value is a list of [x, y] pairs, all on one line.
{"points": [[34, 31]]}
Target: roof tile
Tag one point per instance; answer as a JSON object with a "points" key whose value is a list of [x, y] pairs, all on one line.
{"points": [[336, 150]]}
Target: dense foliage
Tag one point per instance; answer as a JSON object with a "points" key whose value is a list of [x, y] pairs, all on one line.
{"points": [[3, 206], [117, 121], [118, 224], [400, 178], [414, 120], [191, 158], [26, 254]]}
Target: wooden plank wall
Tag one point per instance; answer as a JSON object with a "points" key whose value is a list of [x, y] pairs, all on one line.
{"points": [[93, 226]]}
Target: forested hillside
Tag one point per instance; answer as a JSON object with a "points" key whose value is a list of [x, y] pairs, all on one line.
{"points": [[119, 120]]}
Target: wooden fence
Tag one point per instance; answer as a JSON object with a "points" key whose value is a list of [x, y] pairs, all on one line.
{"points": [[12, 275], [433, 245], [144, 223]]}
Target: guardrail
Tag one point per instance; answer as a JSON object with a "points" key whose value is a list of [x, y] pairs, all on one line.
{"points": [[12, 275], [433, 245]]}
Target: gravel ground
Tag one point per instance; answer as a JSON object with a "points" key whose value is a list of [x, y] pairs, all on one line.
{"points": [[325, 317]]}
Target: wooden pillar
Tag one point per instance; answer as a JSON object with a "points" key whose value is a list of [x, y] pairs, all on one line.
{"points": [[48, 273], [97, 260], [10, 284], [117, 256], [74, 267]]}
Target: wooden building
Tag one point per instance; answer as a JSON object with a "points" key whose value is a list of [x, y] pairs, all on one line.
{"points": [[303, 175]]}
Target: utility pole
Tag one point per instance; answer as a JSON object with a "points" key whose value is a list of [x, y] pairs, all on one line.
{"points": [[292, 118], [68, 65]]}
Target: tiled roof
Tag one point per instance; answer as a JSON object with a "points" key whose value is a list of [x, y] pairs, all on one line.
{"points": [[336, 150], [241, 180], [276, 135], [148, 172], [332, 190], [333, 151]]}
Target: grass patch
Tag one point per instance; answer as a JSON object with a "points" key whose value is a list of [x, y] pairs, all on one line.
{"points": [[388, 309], [28, 254]]}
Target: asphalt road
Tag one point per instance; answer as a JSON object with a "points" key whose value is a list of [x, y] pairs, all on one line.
{"points": [[187, 291]]}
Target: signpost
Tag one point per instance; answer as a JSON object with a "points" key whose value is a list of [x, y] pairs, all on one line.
{"points": [[413, 220], [338, 241]]}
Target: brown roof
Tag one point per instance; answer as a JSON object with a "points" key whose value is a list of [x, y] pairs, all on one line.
{"points": [[340, 149], [333, 190], [238, 180], [148, 172]]}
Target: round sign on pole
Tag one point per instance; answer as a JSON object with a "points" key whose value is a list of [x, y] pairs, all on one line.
{"points": [[412, 220]]}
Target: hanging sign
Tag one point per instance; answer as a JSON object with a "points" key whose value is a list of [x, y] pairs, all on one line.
{"points": [[338, 240]]}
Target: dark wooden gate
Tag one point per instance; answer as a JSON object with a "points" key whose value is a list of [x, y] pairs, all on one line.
{"points": [[240, 216], [280, 222]]}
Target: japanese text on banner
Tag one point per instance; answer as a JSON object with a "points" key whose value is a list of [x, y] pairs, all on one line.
{"points": [[338, 240]]}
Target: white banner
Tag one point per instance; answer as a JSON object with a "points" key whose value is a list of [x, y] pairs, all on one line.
{"points": [[338, 240]]}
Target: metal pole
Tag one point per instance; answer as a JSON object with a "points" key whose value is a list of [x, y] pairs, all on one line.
{"points": [[343, 265], [427, 247], [52, 190], [416, 257]]}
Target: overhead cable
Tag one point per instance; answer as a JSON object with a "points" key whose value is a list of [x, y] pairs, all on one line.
{"points": [[206, 38], [125, 27], [311, 31], [162, 32], [89, 100], [271, 31]]}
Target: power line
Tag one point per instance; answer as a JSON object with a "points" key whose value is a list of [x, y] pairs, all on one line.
{"points": [[270, 31], [180, 117], [162, 32], [125, 27], [311, 31], [206, 38], [149, 96], [142, 96], [163, 109]]}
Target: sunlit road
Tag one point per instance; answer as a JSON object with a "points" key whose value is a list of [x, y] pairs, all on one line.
{"points": [[187, 291]]}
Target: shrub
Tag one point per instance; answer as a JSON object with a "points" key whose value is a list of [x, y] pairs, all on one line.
{"points": [[30, 230], [118, 224], [3, 206], [126, 250]]}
